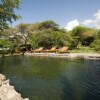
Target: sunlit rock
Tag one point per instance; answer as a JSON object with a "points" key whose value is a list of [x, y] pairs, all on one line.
{"points": [[7, 92]]}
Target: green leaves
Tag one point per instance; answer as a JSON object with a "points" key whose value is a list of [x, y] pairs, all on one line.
{"points": [[4, 43], [96, 43], [7, 13]]}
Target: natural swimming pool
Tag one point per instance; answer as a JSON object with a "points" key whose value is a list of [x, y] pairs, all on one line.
{"points": [[42, 78]]}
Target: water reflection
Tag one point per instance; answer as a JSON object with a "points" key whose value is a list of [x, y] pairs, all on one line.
{"points": [[42, 78]]}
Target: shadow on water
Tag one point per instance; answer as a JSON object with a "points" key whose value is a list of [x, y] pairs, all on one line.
{"points": [[41, 78]]}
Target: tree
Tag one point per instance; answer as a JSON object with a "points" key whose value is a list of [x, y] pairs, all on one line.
{"points": [[48, 24], [42, 33], [77, 31], [22, 30], [87, 37], [48, 38], [24, 33], [4, 43], [96, 43], [82, 35], [7, 14]]}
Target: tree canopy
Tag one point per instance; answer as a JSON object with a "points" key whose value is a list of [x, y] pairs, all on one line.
{"points": [[7, 14], [48, 34]]}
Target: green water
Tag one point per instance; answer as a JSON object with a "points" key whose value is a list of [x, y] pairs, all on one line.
{"points": [[41, 78]]}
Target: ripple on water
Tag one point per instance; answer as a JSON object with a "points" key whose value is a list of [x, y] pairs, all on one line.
{"points": [[41, 78]]}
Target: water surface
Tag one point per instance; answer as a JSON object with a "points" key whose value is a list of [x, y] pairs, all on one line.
{"points": [[41, 78]]}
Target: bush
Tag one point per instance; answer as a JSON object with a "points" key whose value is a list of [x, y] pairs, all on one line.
{"points": [[96, 45]]}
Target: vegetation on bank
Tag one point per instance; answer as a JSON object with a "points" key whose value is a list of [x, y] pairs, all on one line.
{"points": [[48, 34], [43, 34]]}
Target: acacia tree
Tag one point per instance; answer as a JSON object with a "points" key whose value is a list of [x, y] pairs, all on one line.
{"points": [[48, 24], [7, 14], [23, 31]]}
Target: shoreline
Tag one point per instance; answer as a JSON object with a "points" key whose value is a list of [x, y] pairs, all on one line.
{"points": [[91, 56], [7, 55], [7, 91]]}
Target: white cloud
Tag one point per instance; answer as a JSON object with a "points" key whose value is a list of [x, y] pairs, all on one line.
{"points": [[72, 24], [93, 22], [87, 22], [97, 15]]}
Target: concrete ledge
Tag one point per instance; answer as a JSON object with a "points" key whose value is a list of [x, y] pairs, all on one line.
{"points": [[67, 55]]}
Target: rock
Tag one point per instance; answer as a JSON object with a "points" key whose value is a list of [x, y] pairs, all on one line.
{"points": [[7, 92], [2, 77]]}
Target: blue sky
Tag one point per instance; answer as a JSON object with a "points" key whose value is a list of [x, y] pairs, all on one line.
{"points": [[60, 11]]}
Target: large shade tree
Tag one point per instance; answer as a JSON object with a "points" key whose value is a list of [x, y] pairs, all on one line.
{"points": [[48, 24], [24, 32], [7, 14]]}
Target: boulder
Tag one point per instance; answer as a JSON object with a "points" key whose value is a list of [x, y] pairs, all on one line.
{"points": [[7, 92]]}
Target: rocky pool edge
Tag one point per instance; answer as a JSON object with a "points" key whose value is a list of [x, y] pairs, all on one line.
{"points": [[7, 91]]}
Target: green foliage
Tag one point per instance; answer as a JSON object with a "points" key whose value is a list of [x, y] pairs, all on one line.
{"points": [[33, 41], [77, 31], [96, 43], [48, 38], [87, 37], [23, 31], [7, 13], [45, 34], [98, 34], [47, 25], [22, 28], [48, 34], [4, 43], [83, 35]]}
